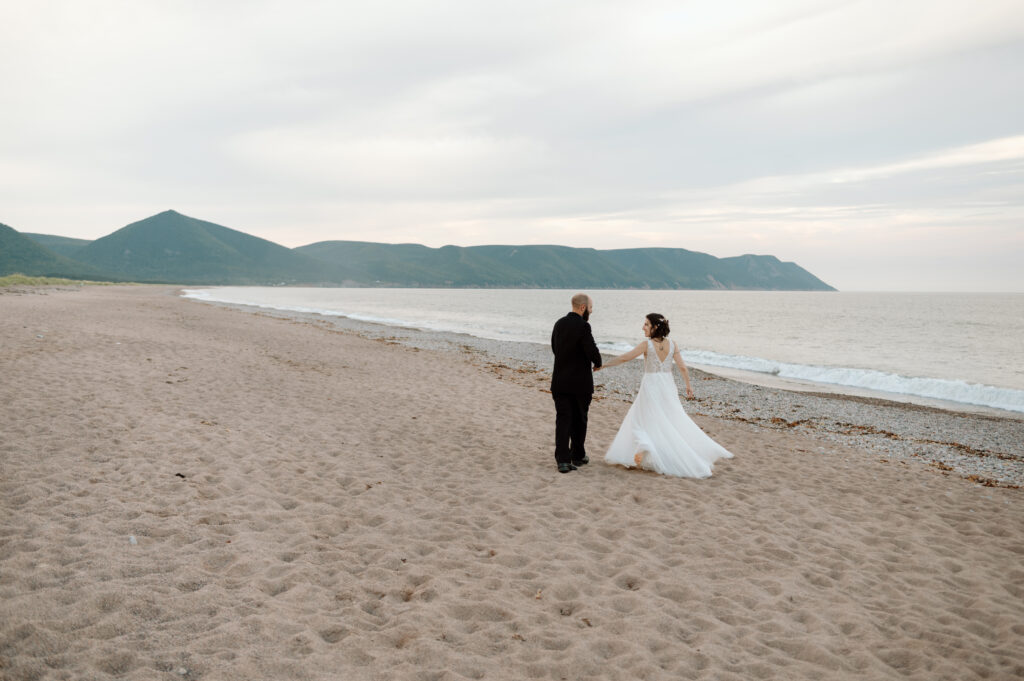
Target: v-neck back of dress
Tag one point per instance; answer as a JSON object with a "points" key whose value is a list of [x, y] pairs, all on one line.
{"points": [[653, 364]]}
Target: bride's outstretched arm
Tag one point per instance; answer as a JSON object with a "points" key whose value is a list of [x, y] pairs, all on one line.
{"points": [[678, 357], [625, 357]]}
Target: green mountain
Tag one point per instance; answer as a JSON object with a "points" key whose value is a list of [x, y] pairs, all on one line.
{"points": [[671, 268], [173, 248], [61, 245], [677, 268], [770, 273], [21, 255], [365, 263]]}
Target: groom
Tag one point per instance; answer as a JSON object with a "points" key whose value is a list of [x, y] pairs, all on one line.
{"points": [[572, 382]]}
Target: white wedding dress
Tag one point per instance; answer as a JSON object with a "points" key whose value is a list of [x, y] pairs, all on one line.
{"points": [[657, 427]]}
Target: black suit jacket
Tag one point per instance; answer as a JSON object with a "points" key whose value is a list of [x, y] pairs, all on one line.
{"points": [[575, 352]]}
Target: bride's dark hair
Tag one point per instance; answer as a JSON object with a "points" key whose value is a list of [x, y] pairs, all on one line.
{"points": [[659, 325]]}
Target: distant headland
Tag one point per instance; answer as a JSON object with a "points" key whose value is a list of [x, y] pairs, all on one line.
{"points": [[173, 248]]}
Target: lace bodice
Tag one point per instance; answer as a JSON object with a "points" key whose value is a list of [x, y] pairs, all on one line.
{"points": [[652, 364]]}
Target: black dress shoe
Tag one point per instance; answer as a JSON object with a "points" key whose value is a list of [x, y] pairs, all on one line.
{"points": [[565, 467], [581, 462]]}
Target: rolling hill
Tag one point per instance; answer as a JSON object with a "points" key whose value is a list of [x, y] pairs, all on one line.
{"points": [[173, 248], [22, 255], [475, 266], [61, 245], [412, 265]]}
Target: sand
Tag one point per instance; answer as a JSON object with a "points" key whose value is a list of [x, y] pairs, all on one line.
{"points": [[980, 443], [195, 492]]}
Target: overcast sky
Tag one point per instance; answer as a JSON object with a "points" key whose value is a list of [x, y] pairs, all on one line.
{"points": [[880, 144]]}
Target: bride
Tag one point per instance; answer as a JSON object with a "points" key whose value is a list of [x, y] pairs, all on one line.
{"points": [[657, 434]]}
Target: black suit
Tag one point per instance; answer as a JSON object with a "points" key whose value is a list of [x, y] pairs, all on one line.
{"points": [[572, 384]]}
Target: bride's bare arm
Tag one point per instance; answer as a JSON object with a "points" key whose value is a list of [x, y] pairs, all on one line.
{"points": [[625, 357], [678, 357]]}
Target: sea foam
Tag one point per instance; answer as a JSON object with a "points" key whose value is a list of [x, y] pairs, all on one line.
{"points": [[869, 379]]}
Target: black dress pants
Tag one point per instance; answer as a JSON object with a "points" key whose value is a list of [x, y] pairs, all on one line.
{"points": [[570, 426]]}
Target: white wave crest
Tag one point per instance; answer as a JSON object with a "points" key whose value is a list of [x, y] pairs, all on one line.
{"points": [[869, 379]]}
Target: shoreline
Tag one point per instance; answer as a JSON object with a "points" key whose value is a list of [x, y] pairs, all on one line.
{"points": [[984, 445], [840, 370]]}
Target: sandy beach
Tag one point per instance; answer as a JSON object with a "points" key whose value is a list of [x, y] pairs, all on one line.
{"points": [[198, 492]]}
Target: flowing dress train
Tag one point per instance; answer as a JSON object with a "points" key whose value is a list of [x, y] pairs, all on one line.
{"points": [[658, 427]]}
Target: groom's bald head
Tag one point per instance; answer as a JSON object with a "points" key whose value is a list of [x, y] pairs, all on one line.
{"points": [[582, 305]]}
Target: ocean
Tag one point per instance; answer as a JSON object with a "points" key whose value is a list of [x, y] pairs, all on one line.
{"points": [[965, 348]]}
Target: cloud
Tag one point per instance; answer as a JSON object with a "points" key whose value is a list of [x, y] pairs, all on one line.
{"points": [[410, 166], [723, 126], [993, 151]]}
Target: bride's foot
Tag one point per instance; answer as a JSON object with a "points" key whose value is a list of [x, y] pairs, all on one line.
{"points": [[638, 459]]}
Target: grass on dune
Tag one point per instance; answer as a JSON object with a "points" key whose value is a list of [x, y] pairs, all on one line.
{"points": [[23, 280]]}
